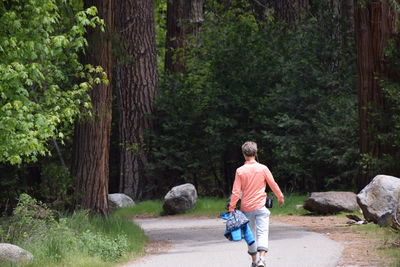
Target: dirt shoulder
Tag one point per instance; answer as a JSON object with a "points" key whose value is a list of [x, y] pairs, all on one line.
{"points": [[359, 249]]}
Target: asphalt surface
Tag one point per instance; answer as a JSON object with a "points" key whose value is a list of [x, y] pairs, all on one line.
{"points": [[200, 243]]}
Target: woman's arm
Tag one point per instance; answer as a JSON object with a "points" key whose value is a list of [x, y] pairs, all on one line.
{"points": [[235, 192], [274, 186]]}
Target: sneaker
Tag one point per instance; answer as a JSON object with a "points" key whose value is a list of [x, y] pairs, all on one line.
{"points": [[253, 264], [260, 263]]}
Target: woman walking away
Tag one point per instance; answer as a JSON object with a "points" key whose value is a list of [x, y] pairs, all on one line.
{"points": [[250, 182]]}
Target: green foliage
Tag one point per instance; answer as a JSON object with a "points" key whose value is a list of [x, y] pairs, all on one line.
{"points": [[12, 185], [292, 91], [46, 180], [108, 249], [386, 119], [160, 18], [56, 186], [52, 241], [43, 86], [115, 226], [212, 207], [145, 208], [31, 219], [290, 207], [58, 242]]}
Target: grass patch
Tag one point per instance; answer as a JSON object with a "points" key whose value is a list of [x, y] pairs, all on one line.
{"points": [[390, 240], [87, 241], [291, 201], [113, 227], [72, 240], [211, 207], [151, 208]]}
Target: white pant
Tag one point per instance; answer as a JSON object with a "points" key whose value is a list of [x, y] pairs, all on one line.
{"points": [[259, 225]]}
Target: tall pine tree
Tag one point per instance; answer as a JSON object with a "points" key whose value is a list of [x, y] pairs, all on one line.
{"points": [[184, 20], [374, 26], [135, 84], [92, 136]]}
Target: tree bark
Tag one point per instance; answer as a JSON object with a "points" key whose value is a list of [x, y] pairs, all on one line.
{"points": [[184, 19], [135, 82], [375, 25], [92, 137], [290, 11]]}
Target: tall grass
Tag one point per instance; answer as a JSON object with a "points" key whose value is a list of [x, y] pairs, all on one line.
{"points": [[112, 227], [83, 240]]}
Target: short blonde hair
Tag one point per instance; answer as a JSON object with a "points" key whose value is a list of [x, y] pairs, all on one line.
{"points": [[249, 149]]}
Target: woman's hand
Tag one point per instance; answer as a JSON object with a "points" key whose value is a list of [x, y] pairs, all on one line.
{"points": [[281, 201]]}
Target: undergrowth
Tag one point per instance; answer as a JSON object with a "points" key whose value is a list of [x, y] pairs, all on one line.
{"points": [[78, 239]]}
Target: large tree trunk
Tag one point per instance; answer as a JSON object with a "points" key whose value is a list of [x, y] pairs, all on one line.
{"points": [[290, 11], [374, 24], [135, 81], [184, 19], [92, 136]]}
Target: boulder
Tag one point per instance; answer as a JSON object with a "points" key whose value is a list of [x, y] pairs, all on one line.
{"points": [[119, 200], [180, 199], [379, 200], [331, 202], [14, 254], [395, 218]]}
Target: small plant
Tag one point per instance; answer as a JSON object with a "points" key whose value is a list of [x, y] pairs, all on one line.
{"points": [[31, 218], [109, 249], [59, 241]]}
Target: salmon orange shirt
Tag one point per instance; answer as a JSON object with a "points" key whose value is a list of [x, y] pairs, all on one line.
{"points": [[250, 182]]}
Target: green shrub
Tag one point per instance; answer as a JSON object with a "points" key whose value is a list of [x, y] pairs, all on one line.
{"points": [[57, 186], [31, 219], [72, 240], [44, 87], [108, 248], [59, 241]]}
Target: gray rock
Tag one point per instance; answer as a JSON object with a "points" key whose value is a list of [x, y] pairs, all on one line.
{"points": [[180, 199], [14, 254], [299, 207], [395, 218], [331, 202], [119, 200], [379, 200]]}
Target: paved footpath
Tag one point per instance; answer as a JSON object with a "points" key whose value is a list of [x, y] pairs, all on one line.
{"points": [[200, 243]]}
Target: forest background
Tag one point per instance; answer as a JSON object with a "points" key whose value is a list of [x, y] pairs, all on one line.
{"points": [[138, 96]]}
